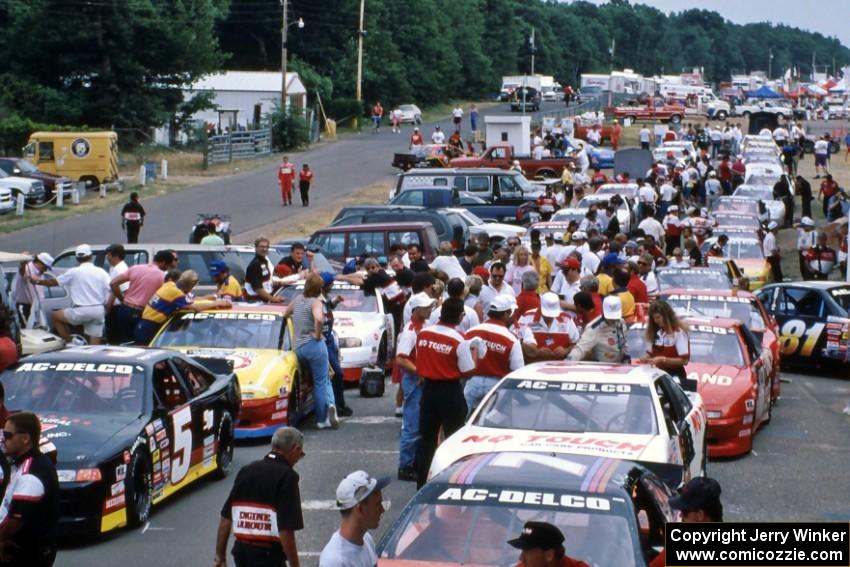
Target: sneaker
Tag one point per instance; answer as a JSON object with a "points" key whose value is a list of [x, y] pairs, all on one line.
{"points": [[407, 473], [345, 412], [333, 417], [323, 424], [399, 411]]}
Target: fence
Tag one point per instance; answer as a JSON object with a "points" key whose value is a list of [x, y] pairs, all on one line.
{"points": [[594, 104], [249, 144]]}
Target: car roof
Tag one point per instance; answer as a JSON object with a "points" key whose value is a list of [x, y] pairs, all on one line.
{"points": [[413, 225], [812, 284], [585, 372], [170, 246], [454, 171], [100, 353], [581, 473]]}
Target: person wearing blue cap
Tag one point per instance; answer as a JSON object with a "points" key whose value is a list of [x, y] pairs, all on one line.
{"points": [[332, 342], [227, 287], [606, 269]]}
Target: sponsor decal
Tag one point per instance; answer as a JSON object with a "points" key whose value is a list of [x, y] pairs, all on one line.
{"points": [[711, 298], [546, 499], [164, 443], [166, 454], [160, 435], [102, 368], [157, 424], [252, 521], [157, 467], [114, 503], [80, 148], [117, 488], [232, 316], [750, 404], [278, 415], [209, 419], [149, 429], [550, 441], [710, 329], [155, 456], [442, 348], [283, 402], [120, 472], [152, 444], [715, 379], [574, 386], [157, 478]]}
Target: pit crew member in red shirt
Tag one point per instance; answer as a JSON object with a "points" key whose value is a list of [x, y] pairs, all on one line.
{"points": [[547, 333], [670, 350], [285, 176]]}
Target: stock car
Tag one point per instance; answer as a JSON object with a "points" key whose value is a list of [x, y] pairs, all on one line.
{"points": [[257, 339], [365, 329], [775, 208], [813, 319], [130, 427], [721, 276], [738, 205], [611, 511], [733, 304], [748, 254], [723, 220], [731, 371], [619, 411]]}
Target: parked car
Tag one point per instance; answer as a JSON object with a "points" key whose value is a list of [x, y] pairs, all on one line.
{"points": [[410, 114], [448, 226], [32, 189], [490, 183], [503, 156], [440, 197], [7, 203], [344, 242], [24, 168], [527, 101]]}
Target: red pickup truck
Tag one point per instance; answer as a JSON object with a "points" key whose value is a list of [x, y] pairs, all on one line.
{"points": [[654, 109], [503, 156]]}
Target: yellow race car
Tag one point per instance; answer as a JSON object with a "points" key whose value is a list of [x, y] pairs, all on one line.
{"points": [[257, 338]]}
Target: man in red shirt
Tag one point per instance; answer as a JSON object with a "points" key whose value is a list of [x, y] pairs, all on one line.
{"points": [[542, 545], [828, 189], [415, 140], [304, 180], [548, 333], [285, 176], [443, 357], [636, 285], [598, 179], [504, 353], [421, 306]]}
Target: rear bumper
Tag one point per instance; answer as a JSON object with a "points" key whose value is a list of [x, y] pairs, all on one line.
{"points": [[728, 437], [261, 417]]}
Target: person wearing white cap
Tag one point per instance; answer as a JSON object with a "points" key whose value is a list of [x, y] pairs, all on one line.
{"points": [[415, 140], [547, 333], [421, 305], [672, 229], [771, 251], [604, 338], [360, 501], [806, 239], [713, 189], [504, 353], [88, 288], [27, 295]]}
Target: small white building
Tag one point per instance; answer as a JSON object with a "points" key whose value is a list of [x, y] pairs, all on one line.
{"points": [[243, 98], [513, 130]]}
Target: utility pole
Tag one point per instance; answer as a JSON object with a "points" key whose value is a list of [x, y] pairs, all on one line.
{"points": [[360, 34], [814, 70], [284, 5], [531, 43], [769, 62]]}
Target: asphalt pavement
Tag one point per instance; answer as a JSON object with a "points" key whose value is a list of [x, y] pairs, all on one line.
{"points": [[252, 198], [797, 471]]}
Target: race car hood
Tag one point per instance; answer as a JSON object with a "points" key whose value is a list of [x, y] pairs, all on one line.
{"points": [[472, 440], [253, 367], [722, 386], [357, 324], [84, 439]]}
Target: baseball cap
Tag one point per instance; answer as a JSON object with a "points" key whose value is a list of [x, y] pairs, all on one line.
{"points": [[631, 244], [421, 299], [538, 535], [356, 487], [502, 303], [611, 258], [699, 493], [772, 225], [45, 259], [571, 262], [481, 272], [673, 208], [558, 236], [807, 221], [550, 305], [612, 308], [218, 267], [327, 278], [83, 251], [579, 235], [712, 174]]}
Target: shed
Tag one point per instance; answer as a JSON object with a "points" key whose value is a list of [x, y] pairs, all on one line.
{"points": [[513, 130], [244, 97]]}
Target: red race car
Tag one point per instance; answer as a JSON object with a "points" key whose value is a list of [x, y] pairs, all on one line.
{"points": [[730, 368], [740, 305]]}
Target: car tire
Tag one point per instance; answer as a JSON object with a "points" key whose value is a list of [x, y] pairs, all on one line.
{"points": [[676, 119], [834, 147], [293, 407], [138, 489], [381, 361], [746, 114], [704, 458], [722, 115], [90, 180], [224, 451]]}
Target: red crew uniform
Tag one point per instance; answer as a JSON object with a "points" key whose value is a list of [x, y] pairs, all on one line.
{"points": [[674, 345], [561, 333], [504, 354], [286, 176]]}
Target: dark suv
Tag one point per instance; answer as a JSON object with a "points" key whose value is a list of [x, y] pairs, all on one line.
{"points": [[449, 225], [24, 168], [340, 243]]}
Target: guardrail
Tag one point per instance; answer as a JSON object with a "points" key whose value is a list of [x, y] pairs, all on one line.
{"points": [[249, 144], [595, 104]]}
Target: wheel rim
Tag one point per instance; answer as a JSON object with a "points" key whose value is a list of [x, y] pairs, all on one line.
{"points": [[141, 491]]}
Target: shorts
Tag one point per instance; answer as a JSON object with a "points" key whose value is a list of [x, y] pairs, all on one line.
{"points": [[91, 317], [820, 159]]}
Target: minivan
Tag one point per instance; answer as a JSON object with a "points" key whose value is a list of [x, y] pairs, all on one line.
{"points": [[341, 243], [490, 183]]}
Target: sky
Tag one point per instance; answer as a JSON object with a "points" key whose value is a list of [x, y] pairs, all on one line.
{"points": [[829, 17]]}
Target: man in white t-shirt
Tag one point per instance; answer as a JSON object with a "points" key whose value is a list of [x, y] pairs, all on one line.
{"points": [[360, 501], [645, 135]]}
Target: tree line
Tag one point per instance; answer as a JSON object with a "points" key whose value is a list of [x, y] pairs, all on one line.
{"points": [[124, 63]]}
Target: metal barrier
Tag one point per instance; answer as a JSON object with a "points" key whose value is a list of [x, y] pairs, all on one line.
{"points": [[249, 144], [595, 104]]}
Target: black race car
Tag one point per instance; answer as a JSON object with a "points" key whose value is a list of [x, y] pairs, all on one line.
{"points": [[612, 512], [814, 321], [130, 427]]}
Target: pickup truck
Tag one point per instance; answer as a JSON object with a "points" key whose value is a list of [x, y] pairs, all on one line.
{"points": [[654, 109], [445, 197], [503, 156], [751, 106]]}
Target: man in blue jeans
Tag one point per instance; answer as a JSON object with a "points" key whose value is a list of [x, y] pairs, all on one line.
{"points": [[332, 342], [421, 305]]}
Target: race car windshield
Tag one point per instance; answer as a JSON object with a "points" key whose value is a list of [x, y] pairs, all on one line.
{"points": [[737, 206], [742, 311], [693, 279], [742, 220], [739, 249], [81, 389], [763, 193], [217, 330], [477, 534], [767, 180], [570, 407], [355, 300], [713, 348], [841, 295]]}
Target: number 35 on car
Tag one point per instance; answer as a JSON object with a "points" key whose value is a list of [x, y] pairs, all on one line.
{"points": [[130, 427]]}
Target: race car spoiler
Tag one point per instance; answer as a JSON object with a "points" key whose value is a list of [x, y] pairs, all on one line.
{"points": [[215, 364]]}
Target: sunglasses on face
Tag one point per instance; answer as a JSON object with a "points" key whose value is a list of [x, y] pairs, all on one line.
{"points": [[9, 434]]}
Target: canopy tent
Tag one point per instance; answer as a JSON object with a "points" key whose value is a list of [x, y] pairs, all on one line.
{"points": [[764, 92]]}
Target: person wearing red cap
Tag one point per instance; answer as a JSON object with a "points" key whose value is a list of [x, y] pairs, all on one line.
{"points": [[542, 545]]}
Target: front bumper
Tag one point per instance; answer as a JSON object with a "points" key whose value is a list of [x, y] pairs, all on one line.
{"points": [[80, 509], [353, 360], [261, 417], [729, 437]]}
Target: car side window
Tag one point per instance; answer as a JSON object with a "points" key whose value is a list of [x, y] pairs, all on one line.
{"points": [[167, 387], [507, 184], [766, 298], [460, 183], [479, 184], [332, 244], [413, 198], [197, 261], [666, 407], [134, 257], [286, 337], [45, 151], [753, 345], [404, 238], [441, 182], [360, 243], [199, 381], [801, 302], [681, 403], [499, 153], [65, 261]]}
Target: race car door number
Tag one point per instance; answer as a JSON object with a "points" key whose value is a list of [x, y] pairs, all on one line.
{"points": [[182, 443], [795, 329]]}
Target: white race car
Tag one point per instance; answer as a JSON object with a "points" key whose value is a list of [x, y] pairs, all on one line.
{"points": [[365, 330], [620, 411]]}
